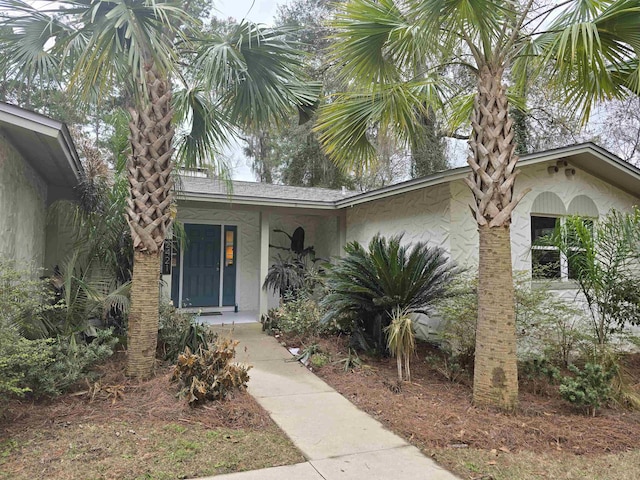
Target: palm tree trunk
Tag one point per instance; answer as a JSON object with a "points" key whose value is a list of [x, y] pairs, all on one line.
{"points": [[142, 333], [149, 215], [493, 161], [495, 380]]}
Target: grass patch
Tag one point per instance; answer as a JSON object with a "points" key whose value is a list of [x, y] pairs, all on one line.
{"points": [[147, 433], [525, 465], [149, 450]]}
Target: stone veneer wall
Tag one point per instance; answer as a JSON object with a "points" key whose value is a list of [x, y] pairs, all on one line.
{"points": [[23, 195]]}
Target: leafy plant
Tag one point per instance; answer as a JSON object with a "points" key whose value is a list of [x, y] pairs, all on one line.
{"points": [[604, 258], [295, 273], [18, 357], [536, 369], [546, 325], [209, 374], [86, 292], [299, 316], [590, 387], [401, 342], [369, 284], [24, 299], [178, 330], [48, 367], [73, 361], [351, 361], [285, 276]]}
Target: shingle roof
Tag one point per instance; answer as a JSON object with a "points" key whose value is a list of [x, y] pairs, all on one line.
{"points": [[246, 190]]}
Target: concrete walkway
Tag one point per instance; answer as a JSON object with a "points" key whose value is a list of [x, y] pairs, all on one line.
{"points": [[338, 440]]}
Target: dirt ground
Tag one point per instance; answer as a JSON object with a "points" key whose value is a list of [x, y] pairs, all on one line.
{"points": [[105, 432], [437, 415]]}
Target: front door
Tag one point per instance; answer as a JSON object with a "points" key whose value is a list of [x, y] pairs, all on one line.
{"points": [[201, 266]]}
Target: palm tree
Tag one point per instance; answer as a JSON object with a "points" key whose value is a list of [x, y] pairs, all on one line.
{"points": [[400, 57], [137, 47]]}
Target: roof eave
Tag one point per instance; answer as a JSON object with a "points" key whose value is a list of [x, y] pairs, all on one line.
{"points": [[44, 125], [259, 201]]}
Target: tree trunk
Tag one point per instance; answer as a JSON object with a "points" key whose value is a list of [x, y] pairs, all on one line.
{"points": [[495, 380], [149, 214], [493, 161], [142, 333]]}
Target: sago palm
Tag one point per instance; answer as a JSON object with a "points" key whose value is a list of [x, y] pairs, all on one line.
{"points": [[372, 283], [400, 57], [94, 47]]}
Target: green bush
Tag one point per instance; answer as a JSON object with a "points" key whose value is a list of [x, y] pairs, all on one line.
{"points": [[297, 316], [209, 374], [48, 367], [537, 369], [546, 325], [24, 300], [589, 388], [20, 359], [178, 330]]}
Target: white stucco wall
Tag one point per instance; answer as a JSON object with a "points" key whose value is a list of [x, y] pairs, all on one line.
{"points": [[464, 233], [23, 197], [423, 215], [604, 195]]}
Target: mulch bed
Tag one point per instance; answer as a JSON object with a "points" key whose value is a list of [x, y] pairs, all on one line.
{"points": [[118, 398], [433, 412]]}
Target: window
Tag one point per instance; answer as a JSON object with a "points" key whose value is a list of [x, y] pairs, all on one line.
{"points": [[229, 247], [545, 260]]}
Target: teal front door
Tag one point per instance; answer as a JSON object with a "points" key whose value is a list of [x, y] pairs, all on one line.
{"points": [[201, 266]]}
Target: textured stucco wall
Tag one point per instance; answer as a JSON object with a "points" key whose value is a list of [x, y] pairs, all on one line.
{"points": [[421, 215], [464, 234], [23, 197], [604, 195]]}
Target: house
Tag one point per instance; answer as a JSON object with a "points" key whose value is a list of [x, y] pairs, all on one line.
{"points": [[38, 165], [232, 235]]}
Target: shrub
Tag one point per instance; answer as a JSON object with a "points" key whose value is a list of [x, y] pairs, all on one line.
{"points": [[536, 369], [604, 258], [209, 374], [72, 362], [19, 357], [178, 330], [590, 387], [24, 300], [297, 316], [368, 284], [546, 325], [49, 367]]}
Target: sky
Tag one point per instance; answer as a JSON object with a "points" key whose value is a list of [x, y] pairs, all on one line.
{"points": [[258, 11]]}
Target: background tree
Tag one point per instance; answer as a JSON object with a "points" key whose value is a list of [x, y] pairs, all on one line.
{"points": [[132, 46], [395, 55]]}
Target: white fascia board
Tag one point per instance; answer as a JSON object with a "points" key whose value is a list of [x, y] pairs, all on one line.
{"points": [[265, 202]]}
